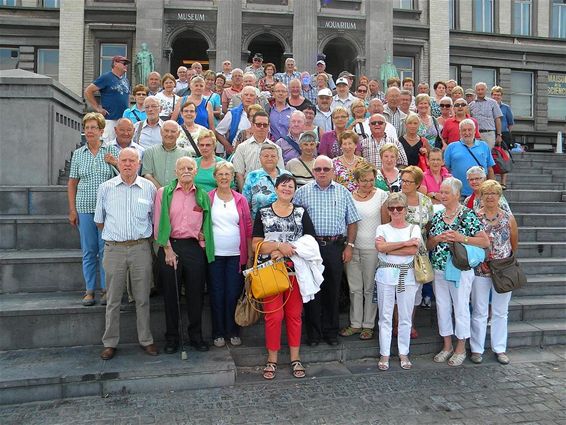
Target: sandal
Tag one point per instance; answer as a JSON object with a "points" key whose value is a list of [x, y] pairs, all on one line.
{"points": [[414, 333], [349, 331], [405, 362], [366, 334], [298, 369], [269, 370], [442, 356], [457, 359], [383, 364]]}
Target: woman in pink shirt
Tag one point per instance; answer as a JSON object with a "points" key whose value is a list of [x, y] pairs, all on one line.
{"points": [[435, 174]]}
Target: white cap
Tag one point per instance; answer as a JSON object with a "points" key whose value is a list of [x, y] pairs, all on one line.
{"points": [[342, 80], [325, 92], [321, 62]]}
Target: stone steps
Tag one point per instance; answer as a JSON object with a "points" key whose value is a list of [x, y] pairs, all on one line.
{"points": [[539, 285], [23, 232], [538, 219], [39, 200], [547, 234], [540, 207], [540, 249], [537, 266], [528, 195]]}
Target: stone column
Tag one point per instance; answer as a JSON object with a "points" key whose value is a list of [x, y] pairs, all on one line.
{"points": [[229, 33], [541, 101], [505, 16], [150, 30], [71, 45], [542, 25], [379, 35], [439, 52], [305, 34]]}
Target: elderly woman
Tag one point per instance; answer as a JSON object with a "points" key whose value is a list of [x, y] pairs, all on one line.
{"points": [[457, 93], [168, 99], [455, 223], [429, 127], [206, 163], [439, 93], [434, 175], [414, 144], [388, 178], [232, 231], [321, 81], [278, 226], [397, 243], [204, 109], [359, 113], [296, 99], [190, 130], [310, 113], [329, 141], [445, 111], [219, 84], [345, 164], [501, 228], [267, 82], [302, 166], [259, 186], [476, 176], [90, 167], [211, 96], [361, 269], [247, 133]]}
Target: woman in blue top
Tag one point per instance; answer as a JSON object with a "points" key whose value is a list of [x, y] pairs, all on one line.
{"points": [[204, 108]]}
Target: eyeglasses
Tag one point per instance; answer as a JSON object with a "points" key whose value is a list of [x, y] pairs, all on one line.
{"points": [[445, 105], [407, 181], [366, 181], [362, 91], [151, 106], [261, 124], [491, 194], [257, 60], [460, 105], [141, 93], [475, 179], [189, 111], [377, 122], [398, 209], [341, 117], [322, 169]]}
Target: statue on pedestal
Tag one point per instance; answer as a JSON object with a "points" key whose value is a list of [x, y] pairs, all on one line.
{"points": [[144, 64], [387, 71]]}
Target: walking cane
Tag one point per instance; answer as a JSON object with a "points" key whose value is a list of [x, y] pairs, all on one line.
{"points": [[180, 321]]}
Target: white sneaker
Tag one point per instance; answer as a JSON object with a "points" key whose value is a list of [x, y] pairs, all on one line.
{"points": [[235, 340], [219, 342]]}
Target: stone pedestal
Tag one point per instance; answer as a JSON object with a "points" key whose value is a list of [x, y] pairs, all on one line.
{"points": [[379, 35], [305, 34], [229, 33], [149, 29], [40, 127]]}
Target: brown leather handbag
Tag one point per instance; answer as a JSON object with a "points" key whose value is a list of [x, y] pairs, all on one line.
{"points": [[506, 274]]}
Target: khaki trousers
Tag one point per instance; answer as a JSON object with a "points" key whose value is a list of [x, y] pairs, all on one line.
{"points": [[361, 280]]}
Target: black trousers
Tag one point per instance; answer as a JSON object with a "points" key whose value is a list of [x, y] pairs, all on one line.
{"points": [[191, 272], [321, 314]]}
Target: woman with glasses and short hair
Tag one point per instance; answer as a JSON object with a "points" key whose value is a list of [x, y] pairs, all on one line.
{"points": [[329, 145], [137, 112], [429, 126]]}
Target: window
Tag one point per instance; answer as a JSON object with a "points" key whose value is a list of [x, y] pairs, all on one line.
{"points": [[522, 93], [48, 62], [9, 57], [486, 75], [404, 4], [522, 17], [483, 15], [452, 19], [108, 51], [453, 73], [51, 4], [8, 3], [557, 97], [558, 18], [405, 66]]}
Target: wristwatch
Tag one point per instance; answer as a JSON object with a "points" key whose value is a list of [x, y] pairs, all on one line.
{"points": [[466, 239], [351, 244]]}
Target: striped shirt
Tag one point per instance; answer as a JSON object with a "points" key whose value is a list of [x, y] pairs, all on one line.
{"points": [[126, 211], [331, 209], [371, 147], [486, 111], [396, 118], [160, 163], [285, 78]]}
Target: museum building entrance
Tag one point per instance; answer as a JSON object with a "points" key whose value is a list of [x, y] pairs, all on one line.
{"points": [[189, 47]]}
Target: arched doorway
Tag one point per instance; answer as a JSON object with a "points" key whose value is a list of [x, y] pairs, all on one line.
{"points": [[340, 54], [189, 46], [271, 48]]}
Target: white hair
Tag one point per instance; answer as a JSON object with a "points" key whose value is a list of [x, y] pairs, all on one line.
{"points": [[188, 158], [454, 184], [467, 121], [126, 150], [325, 159], [298, 113], [177, 127], [481, 83], [476, 169], [446, 99]]}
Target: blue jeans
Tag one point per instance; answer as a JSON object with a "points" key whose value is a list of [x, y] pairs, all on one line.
{"points": [[92, 246], [225, 286]]}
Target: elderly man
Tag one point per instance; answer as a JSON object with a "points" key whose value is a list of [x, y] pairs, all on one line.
{"points": [[262, 98], [343, 96], [197, 68], [391, 110], [159, 160], [309, 92], [124, 208], [488, 114], [375, 106], [246, 156], [289, 144], [153, 83], [114, 90], [280, 113], [467, 152], [182, 227], [227, 70], [182, 82], [451, 128], [423, 88], [450, 84], [256, 67], [334, 215], [236, 87], [372, 144], [405, 99], [124, 133], [375, 90], [235, 121], [321, 69], [323, 117], [289, 74], [147, 133]]}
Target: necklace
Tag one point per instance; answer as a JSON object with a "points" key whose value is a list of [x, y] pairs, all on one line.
{"points": [[223, 200], [491, 220], [349, 163], [451, 216], [363, 197]]}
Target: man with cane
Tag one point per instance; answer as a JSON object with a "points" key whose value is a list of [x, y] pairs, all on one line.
{"points": [[183, 229]]}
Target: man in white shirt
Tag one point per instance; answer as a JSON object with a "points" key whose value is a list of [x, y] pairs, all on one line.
{"points": [[343, 96], [182, 82], [323, 117], [147, 133]]}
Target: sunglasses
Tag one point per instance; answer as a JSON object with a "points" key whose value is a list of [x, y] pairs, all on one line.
{"points": [[445, 105], [257, 60], [377, 122], [322, 169], [398, 209], [460, 105], [261, 124], [362, 91]]}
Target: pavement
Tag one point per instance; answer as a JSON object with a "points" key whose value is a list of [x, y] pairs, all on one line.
{"points": [[530, 390]]}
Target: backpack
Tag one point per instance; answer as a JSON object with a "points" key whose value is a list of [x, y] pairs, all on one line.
{"points": [[502, 160]]}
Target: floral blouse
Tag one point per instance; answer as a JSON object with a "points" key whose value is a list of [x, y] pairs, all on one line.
{"points": [[259, 189], [467, 223], [344, 175], [420, 214], [430, 132], [500, 241]]}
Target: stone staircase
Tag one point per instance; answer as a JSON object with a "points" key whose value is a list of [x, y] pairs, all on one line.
{"points": [[49, 343]]}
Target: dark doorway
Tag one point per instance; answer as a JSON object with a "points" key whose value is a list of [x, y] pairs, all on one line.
{"points": [[340, 55], [270, 47], [189, 47]]}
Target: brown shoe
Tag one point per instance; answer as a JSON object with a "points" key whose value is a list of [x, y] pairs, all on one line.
{"points": [[108, 353], [150, 349]]}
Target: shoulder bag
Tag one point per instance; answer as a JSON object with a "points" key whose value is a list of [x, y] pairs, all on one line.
{"points": [[267, 279], [422, 265], [246, 313], [192, 142], [458, 251], [506, 274]]}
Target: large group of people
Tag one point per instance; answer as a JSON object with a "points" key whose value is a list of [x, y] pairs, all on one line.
{"points": [[179, 191]]}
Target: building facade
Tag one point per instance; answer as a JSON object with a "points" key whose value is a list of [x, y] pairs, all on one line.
{"points": [[517, 44]]}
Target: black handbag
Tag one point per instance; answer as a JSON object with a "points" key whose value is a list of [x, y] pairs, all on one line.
{"points": [[506, 274], [459, 256]]}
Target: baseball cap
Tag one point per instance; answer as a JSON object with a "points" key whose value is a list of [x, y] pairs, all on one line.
{"points": [[345, 74], [470, 91], [325, 92], [342, 80], [258, 56], [321, 62], [121, 59]]}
